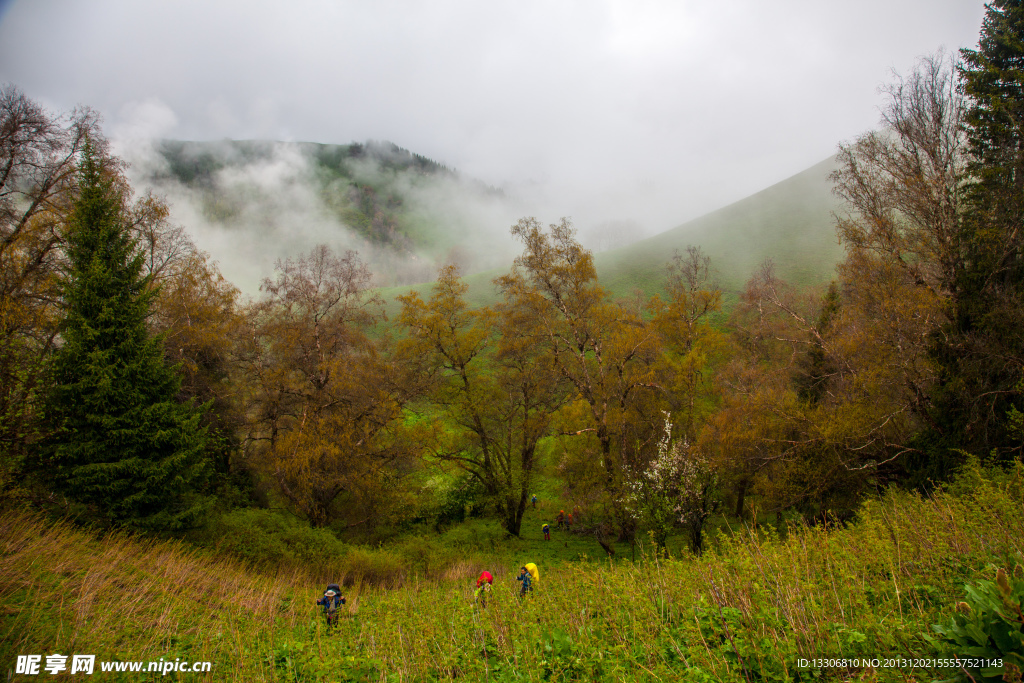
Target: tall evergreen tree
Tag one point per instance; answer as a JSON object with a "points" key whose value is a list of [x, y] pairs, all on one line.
{"points": [[993, 79], [120, 443], [981, 354]]}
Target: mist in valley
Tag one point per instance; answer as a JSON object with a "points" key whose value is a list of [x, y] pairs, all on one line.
{"points": [[249, 204]]}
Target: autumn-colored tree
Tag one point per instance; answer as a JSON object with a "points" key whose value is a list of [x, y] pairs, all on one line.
{"points": [[752, 431], [196, 310], [691, 344], [38, 183], [749, 432], [909, 252], [821, 396], [606, 353], [495, 390], [320, 398]]}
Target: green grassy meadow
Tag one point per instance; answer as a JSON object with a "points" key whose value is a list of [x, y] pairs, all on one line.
{"points": [[755, 604]]}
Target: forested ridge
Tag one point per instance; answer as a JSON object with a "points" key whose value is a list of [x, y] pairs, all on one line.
{"points": [[373, 208], [304, 431]]}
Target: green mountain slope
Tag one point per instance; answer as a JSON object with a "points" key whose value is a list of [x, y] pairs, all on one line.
{"points": [[790, 222], [250, 203], [362, 185]]}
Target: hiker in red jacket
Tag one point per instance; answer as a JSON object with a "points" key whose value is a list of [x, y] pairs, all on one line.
{"points": [[483, 587]]}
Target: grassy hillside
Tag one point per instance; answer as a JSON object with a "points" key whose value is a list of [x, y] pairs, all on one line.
{"points": [[748, 610], [789, 222]]}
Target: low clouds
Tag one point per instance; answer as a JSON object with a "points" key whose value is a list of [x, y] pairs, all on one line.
{"points": [[250, 204]]}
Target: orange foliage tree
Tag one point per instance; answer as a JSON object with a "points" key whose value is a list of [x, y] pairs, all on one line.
{"points": [[606, 353], [322, 403], [495, 389]]}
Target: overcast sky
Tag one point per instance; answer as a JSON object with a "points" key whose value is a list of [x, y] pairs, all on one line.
{"points": [[615, 104]]}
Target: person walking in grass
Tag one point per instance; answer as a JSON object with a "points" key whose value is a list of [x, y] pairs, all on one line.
{"points": [[525, 579], [330, 602], [483, 587], [534, 501], [560, 519], [547, 531], [529, 575]]}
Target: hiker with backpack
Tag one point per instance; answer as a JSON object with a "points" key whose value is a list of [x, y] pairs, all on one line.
{"points": [[483, 587], [330, 602], [525, 579], [528, 576]]}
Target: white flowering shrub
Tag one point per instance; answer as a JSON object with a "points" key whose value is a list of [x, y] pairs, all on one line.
{"points": [[678, 488]]}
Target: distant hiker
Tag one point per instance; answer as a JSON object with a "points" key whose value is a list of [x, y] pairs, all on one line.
{"points": [[576, 512], [330, 602], [534, 501], [547, 531], [568, 522], [483, 587], [560, 519], [527, 581]]}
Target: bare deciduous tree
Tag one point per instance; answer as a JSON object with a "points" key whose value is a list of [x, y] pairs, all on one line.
{"points": [[38, 163]]}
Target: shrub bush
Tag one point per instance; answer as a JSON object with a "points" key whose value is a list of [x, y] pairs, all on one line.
{"points": [[375, 567], [465, 498], [267, 538]]}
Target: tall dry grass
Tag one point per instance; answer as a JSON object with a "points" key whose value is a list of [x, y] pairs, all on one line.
{"points": [[127, 598]]}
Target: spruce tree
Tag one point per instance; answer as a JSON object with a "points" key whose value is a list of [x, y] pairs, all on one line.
{"points": [[119, 441], [993, 78], [980, 361], [980, 353]]}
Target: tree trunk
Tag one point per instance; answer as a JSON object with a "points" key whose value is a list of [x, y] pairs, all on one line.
{"points": [[741, 494]]}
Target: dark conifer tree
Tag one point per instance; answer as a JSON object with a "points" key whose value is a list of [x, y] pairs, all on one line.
{"points": [[119, 441], [981, 357], [993, 77], [980, 353]]}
